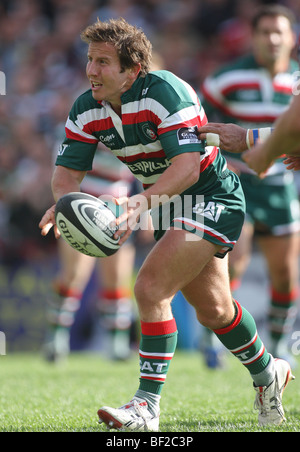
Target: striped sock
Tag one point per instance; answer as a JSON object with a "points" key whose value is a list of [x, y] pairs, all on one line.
{"points": [[157, 348], [242, 340], [282, 314], [62, 308]]}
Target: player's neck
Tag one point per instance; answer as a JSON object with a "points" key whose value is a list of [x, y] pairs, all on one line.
{"points": [[275, 67], [117, 109]]}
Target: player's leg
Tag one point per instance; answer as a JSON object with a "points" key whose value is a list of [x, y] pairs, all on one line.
{"points": [[74, 274], [115, 300], [241, 338], [172, 264], [281, 254], [239, 334], [239, 259], [240, 256], [175, 264]]}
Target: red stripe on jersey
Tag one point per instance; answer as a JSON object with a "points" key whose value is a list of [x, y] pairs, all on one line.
{"points": [[140, 116], [77, 137], [209, 159], [288, 90], [228, 111], [241, 85], [195, 122], [203, 165], [98, 125], [143, 156]]}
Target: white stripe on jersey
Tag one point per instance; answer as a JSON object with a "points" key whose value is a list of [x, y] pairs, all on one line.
{"points": [[94, 114], [130, 151], [147, 103], [78, 130], [186, 114]]}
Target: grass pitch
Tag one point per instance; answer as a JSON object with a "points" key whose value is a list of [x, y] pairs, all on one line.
{"points": [[39, 397]]}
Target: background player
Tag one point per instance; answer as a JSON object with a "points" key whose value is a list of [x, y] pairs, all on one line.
{"points": [[114, 309], [253, 92]]}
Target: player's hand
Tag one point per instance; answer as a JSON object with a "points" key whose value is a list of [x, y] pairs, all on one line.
{"points": [[48, 221], [257, 160], [292, 163], [128, 220], [232, 137]]}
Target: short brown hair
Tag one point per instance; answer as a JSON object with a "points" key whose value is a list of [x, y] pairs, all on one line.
{"points": [[273, 10], [131, 43]]}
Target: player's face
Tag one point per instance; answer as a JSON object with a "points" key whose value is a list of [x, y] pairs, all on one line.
{"points": [[103, 69], [273, 39]]}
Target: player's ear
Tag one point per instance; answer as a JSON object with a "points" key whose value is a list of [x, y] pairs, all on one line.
{"points": [[135, 70]]}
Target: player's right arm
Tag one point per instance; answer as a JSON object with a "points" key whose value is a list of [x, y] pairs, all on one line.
{"points": [[75, 157], [64, 180]]}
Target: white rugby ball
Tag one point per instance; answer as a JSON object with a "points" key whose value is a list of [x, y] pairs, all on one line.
{"points": [[87, 224]]}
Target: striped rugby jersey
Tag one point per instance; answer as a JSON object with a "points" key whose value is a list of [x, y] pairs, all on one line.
{"points": [[108, 175], [245, 93], [159, 116]]}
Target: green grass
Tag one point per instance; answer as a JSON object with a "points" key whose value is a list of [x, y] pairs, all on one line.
{"points": [[39, 397]]}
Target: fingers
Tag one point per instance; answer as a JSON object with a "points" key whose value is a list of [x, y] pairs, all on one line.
{"points": [[292, 163], [125, 236], [213, 139], [47, 222], [205, 131]]}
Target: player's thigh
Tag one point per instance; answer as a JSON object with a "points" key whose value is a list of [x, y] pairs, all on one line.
{"points": [[210, 294], [174, 262]]}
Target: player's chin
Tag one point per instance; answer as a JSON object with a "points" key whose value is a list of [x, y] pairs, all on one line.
{"points": [[96, 95]]}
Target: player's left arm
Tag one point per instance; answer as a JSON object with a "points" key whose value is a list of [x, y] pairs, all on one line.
{"points": [[183, 172]]}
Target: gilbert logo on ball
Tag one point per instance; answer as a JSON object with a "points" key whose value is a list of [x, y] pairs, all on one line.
{"points": [[88, 224]]}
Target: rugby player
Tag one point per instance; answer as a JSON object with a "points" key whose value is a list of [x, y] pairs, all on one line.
{"points": [[113, 306], [253, 92], [149, 120]]}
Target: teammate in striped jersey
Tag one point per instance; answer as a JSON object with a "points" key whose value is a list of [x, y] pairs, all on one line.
{"points": [[286, 136], [113, 306], [253, 92], [285, 139], [148, 120], [266, 144]]}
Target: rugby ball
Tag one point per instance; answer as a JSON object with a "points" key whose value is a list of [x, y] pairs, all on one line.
{"points": [[88, 224]]}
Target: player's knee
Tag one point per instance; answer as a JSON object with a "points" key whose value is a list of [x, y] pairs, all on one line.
{"points": [[148, 292], [215, 317], [145, 289]]}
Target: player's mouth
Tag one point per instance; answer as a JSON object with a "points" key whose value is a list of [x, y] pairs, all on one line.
{"points": [[95, 85]]}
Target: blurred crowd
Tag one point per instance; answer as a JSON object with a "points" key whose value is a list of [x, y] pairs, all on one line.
{"points": [[43, 60]]}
